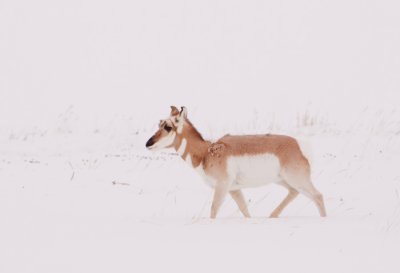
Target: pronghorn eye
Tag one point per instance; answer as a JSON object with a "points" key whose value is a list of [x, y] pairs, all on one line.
{"points": [[168, 128]]}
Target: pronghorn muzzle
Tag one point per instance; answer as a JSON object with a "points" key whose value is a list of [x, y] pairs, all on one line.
{"points": [[150, 142]]}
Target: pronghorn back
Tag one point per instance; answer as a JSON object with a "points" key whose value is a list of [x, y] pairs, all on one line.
{"points": [[286, 148]]}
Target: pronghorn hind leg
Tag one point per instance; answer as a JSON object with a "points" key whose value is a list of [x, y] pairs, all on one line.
{"points": [[289, 198], [308, 189], [318, 199], [239, 199], [221, 189]]}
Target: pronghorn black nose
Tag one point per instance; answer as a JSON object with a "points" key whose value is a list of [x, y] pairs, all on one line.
{"points": [[149, 143]]}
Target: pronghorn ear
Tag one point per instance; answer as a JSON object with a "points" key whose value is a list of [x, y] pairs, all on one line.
{"points": [[174, 111], [183, 112]]}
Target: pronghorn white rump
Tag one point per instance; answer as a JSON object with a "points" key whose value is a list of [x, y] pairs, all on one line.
{"points": [[236, 162]]}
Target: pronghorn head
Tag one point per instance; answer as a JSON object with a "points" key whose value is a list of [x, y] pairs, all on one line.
{"points": [[168, 130]]}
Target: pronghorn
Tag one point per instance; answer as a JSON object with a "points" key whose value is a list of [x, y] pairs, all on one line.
{"points": [[236, 162]]}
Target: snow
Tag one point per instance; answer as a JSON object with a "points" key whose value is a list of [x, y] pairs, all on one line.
{"points": [[84, 84], [136, 210]]}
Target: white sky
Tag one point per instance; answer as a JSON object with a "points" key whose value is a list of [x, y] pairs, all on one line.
{"points": [[138, 57]]}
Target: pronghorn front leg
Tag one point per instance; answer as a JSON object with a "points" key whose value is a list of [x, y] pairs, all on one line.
{"points": [[221, 189], [239, 199]]}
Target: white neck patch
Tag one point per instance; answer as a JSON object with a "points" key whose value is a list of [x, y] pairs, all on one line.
{"points": [[180, 128], [189, 160], [182, 147]]}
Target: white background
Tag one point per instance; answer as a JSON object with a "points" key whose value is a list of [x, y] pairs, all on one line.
{"points": [[84, 83]]}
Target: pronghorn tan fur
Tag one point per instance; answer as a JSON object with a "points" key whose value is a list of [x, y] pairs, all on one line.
{"points": [[236, 162]]}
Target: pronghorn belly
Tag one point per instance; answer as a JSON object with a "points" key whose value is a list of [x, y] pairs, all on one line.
{"points": [[253, 170]]}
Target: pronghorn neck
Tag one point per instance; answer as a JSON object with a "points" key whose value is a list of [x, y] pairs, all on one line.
{"points": [[190, 145]]}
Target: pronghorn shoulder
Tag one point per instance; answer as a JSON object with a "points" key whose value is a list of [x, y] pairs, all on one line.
{"points": [[217, 149]]}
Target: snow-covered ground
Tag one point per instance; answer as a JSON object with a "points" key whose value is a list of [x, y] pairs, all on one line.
{"points": [[99, 203], [84, 83]]}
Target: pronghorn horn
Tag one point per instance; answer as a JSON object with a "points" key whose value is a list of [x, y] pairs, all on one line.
{"points": [[183, 112]]}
